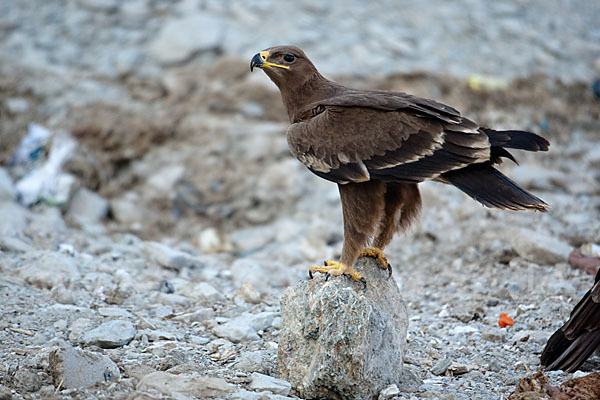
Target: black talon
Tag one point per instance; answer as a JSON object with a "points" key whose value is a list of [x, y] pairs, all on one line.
{"points": [[327, 275], [389, 267], [310, 275], [364, 282]]}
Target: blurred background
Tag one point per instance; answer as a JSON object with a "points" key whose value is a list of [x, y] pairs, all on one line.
{"points": [[133, 139], [168, 121]]}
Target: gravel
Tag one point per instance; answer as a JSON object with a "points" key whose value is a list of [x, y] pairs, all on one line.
{"points": [[187, 219]]}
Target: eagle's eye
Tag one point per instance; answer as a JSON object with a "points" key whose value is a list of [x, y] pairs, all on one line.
{"points": [[288, 58]]}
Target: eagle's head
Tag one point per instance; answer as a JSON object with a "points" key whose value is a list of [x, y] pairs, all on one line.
{"points": [[286, 65]]}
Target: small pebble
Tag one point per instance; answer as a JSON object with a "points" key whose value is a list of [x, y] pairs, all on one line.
{"points": [[441, 366]]}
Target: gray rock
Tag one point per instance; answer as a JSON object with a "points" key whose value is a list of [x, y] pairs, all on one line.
{"points": [[114, 312], [77, 368], [207, 292], [88, 205], [111, 334], [163, 180], [168, 257], [62, 295], [156, 335], [14, 244], [78, 329], [100, 5], [163, 311], [135, 8], [127, 209], [458, 369], [441, 366], [491, 336], [536, 336], [17, 105], [182, 38], [336, 335], [245, 327], [27, 379], [248, 395], [5, 393], [200, 315], [46, 269], [538, 247], [261, 382], [172, 299], [14, 215], [247, 293], [127, 59], [389, 392], [262, 320], [7, 188], [251, 361], [202, 387], [237, 330]]}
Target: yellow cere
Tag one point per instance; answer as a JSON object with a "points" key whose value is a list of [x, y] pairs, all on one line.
{"points": [[264, 55]]}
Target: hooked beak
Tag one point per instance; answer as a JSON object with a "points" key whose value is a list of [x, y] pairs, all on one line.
{"points": [[260, 61]]}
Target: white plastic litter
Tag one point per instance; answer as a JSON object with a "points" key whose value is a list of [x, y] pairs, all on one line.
{"points": [[48, 182], [31, 145]]}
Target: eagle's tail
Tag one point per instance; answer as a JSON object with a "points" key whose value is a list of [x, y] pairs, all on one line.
{"points": [[493, 189], [521, 140]]}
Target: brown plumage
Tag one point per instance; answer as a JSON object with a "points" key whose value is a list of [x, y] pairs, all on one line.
{"points": [[378, 145], [570, 346]]}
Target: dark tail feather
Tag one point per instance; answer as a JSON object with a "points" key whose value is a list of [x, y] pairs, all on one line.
{"points": [[576, 340], [568, 355], [521, 140], [555, 347], [491, 188]]}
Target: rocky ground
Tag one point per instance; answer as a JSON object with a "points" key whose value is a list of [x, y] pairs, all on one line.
{"points": [[157, 255]]}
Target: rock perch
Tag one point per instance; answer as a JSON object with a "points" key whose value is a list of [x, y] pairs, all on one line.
{"points": [[341, 341]]}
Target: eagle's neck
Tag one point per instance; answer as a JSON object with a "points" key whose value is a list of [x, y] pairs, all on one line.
{"points": [[315, 88]]}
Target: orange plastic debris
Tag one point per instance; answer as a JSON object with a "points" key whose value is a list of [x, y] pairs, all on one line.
{"points": [[505, 320]]}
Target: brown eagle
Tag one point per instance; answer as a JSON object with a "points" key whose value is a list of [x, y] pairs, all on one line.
{"points": [[378, 145], [570, 346]]}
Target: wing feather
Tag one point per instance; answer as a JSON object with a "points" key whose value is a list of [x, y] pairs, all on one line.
{"points": [[385, 135]]}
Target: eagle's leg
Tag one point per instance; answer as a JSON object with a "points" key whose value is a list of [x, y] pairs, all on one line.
{"points": [[402, 206], [362, 206]]}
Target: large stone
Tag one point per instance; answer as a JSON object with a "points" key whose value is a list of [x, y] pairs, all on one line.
{"points": [[182, 38], [77, 368], [340, 340], [88, 205], [538, 247], [15, 217], [261, 382], [7, 188], [207, 292], [128, 209], [168, 257], [111, 334], [202, 387], [45, 269], [245, 327]]}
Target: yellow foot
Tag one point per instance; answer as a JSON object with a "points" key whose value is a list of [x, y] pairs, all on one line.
{"points": [[377, 254], [336, 268]]}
